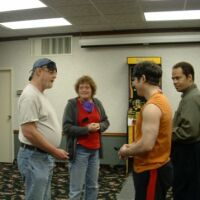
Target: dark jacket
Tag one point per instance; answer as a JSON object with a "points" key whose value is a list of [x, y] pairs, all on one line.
{"points": [[186, 123], [71, 128]]}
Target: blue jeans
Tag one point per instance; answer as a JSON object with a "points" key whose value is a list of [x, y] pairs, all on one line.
{"points": [[84, 173], [36, 169]]}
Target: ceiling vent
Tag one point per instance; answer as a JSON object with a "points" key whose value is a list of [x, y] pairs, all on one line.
{"points": [[50, 46]]}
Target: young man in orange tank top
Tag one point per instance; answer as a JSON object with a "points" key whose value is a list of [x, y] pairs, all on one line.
{"points": [[152, 173]]}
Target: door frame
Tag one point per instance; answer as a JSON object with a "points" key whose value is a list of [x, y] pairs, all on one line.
{"points": [[11, 108]]}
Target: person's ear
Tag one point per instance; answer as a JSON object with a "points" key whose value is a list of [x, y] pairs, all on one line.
{"points": [[143, 78], [190, 77], [38, 71]]}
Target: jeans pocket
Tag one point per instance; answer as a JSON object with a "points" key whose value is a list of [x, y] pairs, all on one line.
{"points": [[23, 158]]}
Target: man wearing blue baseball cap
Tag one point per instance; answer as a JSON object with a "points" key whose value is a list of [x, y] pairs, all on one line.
{"points": [[39, 132], [49, 64]]}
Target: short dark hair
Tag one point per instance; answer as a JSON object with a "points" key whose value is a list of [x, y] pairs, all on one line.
{"points": [[151, 70], [186, 67], [88, 80]]}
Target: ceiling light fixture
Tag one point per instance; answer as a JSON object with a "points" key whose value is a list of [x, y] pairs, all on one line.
{"points": [[39, 23], [10, 5], [172, 15]]}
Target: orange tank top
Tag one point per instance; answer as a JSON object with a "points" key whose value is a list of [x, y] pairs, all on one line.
{"points": [[160, 153]]}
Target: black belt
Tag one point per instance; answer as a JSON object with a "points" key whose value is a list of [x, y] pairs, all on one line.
{"points": [[30, 147]]}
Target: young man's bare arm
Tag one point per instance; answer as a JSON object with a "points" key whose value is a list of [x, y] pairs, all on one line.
{"points": [[150, 128]]}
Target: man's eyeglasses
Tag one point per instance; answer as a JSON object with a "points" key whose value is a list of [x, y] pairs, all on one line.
{"points": [[51, 66], [49, 71]]}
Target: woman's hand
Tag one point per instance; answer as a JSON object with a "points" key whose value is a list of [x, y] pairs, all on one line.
{"points": [[93, 127]]}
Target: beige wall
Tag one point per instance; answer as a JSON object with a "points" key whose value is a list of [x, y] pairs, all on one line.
{"points": [[106, 65]]}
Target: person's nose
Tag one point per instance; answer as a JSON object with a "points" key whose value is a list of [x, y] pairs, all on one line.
{"points": [[175, 81], [54, 76]]}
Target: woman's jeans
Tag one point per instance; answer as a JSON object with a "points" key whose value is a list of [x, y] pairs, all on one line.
{"points": [[84, 173], [36, 169]]}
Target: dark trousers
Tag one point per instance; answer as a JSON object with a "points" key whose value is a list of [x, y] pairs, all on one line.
{"points": [[153, 184], [186, 162]]}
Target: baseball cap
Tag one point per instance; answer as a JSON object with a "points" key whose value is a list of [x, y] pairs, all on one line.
{"points": [[43, 62]]}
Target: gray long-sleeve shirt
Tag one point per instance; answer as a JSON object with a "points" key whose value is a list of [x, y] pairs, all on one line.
{"points": [[186, 123]]}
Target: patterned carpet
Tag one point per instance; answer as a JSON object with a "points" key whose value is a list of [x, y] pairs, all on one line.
{"points": [[11, 185], [110, 182]]}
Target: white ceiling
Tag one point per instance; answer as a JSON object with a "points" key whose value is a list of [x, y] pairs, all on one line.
{"points": [[103, 16]]}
